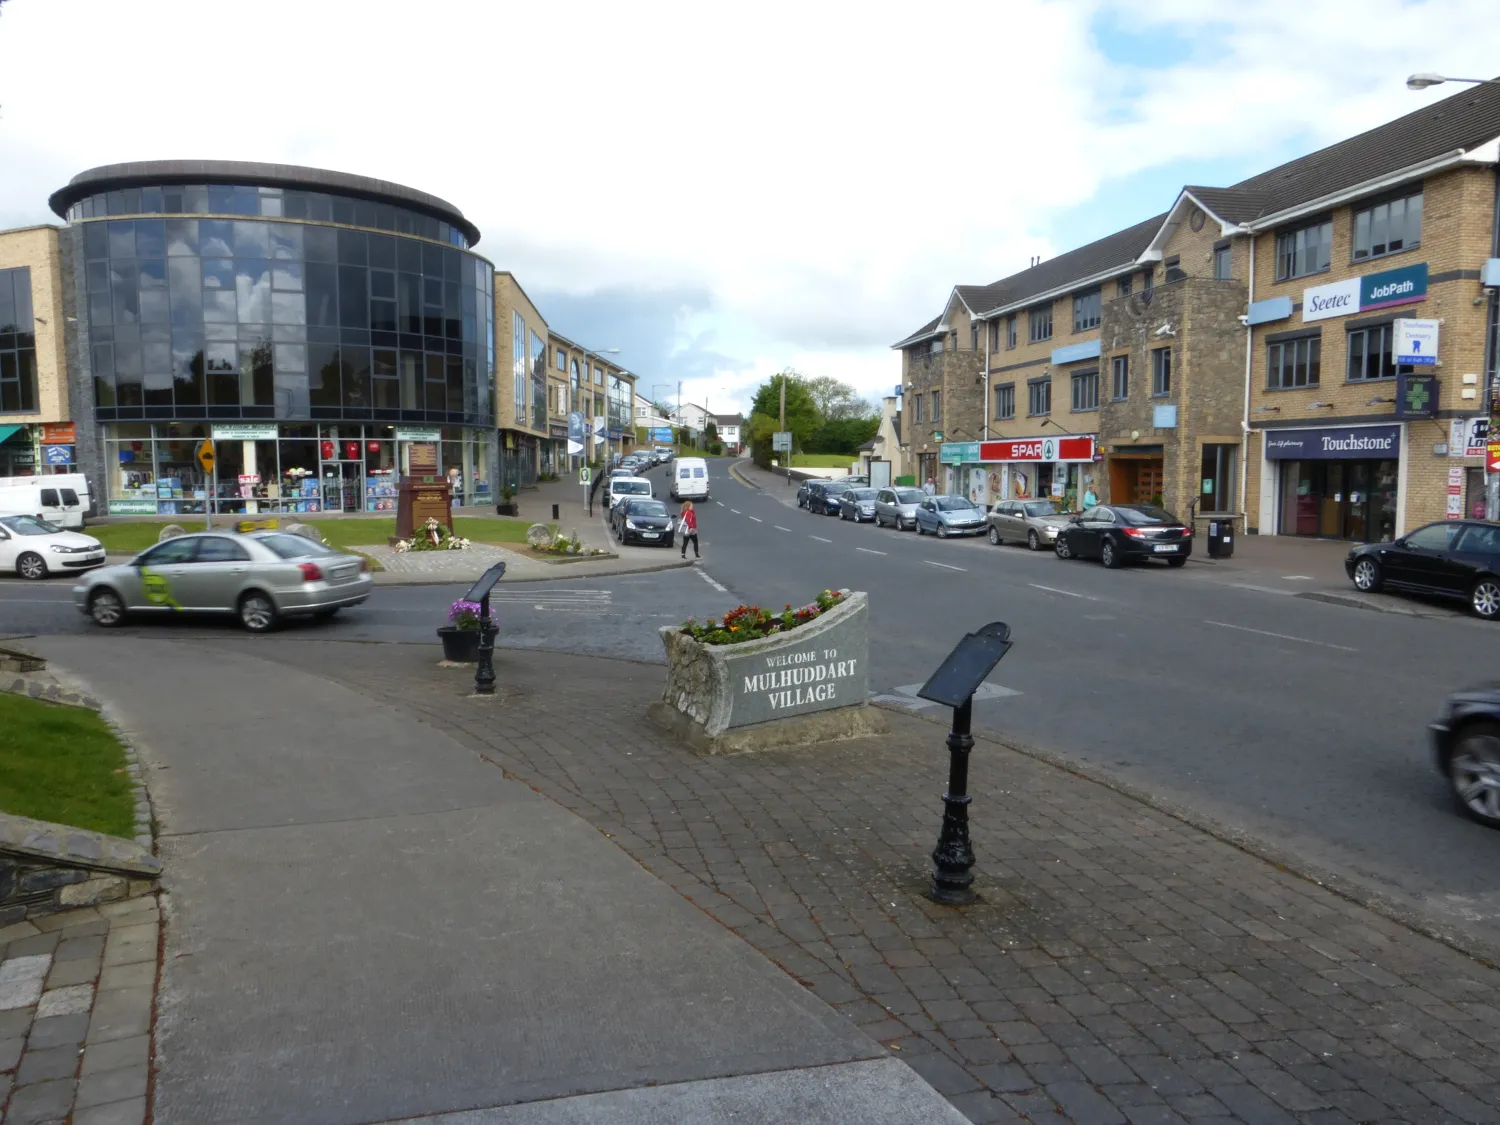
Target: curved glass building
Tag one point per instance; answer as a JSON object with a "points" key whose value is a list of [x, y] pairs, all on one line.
{"points": [[313, 323]]}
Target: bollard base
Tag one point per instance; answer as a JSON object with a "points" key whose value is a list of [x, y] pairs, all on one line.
{"points": [[952, 892]]}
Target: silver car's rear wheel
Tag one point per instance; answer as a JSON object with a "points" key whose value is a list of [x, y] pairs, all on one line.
{"points": [[1474, 772], [994, 537], [257, 612], [106, 608], [31, 565], [1033, 540]]}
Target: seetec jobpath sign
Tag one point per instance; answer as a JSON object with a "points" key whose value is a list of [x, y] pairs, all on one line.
{"points": [[1405, 286]]}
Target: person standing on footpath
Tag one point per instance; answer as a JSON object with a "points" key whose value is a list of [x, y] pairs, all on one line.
{"points": [[688, 523], [930, 488]]}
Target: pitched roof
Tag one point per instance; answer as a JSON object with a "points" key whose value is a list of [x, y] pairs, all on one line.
{"points": [[729, 419], [925, 330], [1462, 122], [1118, 250]]}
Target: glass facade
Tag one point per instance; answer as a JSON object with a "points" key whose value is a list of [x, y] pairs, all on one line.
{"points": [[18, 388], [251, 319]]}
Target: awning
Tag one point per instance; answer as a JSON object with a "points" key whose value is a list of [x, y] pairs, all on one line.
{"points": [[7, 430]]}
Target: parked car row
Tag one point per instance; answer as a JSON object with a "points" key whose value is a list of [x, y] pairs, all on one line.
{"points": [[1113, 533]]}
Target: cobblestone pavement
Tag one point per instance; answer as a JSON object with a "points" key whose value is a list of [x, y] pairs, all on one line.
{"points": [[76, 995], [1123, 967]]}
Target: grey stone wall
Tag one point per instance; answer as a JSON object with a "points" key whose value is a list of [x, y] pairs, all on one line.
{"points": [[45, 868], [88, 451]]}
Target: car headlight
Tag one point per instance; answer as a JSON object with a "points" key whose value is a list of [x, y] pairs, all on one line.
{"points": [[631, 524]]}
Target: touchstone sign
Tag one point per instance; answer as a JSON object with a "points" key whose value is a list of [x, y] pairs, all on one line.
{"points": [[807, 685]]}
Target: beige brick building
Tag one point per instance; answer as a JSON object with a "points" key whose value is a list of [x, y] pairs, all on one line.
{"points": [[34, 411], [1234, 356]]}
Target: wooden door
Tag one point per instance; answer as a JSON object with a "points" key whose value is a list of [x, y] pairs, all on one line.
{"points": [[1149, 482]]}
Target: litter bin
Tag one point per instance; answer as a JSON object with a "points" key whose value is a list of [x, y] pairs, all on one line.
{"points": [[1220, 538]]}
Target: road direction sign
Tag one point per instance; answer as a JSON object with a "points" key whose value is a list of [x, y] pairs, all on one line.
{"points": [[205, 454], [781, 441]]}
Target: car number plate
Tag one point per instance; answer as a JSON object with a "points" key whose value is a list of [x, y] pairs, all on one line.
{"points": [[1165, 547], [650, 534]]}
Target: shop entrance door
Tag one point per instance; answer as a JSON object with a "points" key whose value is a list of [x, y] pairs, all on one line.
{"points": [[351, 478]]}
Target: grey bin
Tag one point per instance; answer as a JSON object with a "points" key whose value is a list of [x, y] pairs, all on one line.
{"points": [[1220, 538]]}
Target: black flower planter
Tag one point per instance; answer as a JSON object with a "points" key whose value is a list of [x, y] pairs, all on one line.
{"points": [[507, 508], [460, 645]]}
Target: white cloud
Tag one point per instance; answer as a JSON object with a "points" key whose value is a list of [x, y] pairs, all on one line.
{"points": [[823, 171]]}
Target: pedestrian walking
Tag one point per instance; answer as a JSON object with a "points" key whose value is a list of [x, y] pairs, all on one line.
{"points": [[930, 488], [687, 525]]}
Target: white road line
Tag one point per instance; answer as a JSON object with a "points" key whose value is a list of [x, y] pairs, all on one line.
{"points": [[1297, 577], [1281, 636], [778, 527], [757, 519], [1055, 590], [945, 566], [720, 503], [868, 551], [703, 574], [820, 539], [736, 511]]}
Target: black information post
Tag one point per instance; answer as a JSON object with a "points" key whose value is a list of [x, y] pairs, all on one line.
{"points": [[484, 675], [953, 685]]}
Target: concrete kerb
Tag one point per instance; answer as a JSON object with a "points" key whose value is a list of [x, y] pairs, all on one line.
{"points": [[734, 471], [384, 578], [1485, 952]]}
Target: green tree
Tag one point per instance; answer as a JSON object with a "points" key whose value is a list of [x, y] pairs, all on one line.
{"points": [[802, 417], [837, 400], [711, 431]]}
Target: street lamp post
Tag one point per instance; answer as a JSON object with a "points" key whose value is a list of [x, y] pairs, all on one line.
{"points": [[1421, 81]]}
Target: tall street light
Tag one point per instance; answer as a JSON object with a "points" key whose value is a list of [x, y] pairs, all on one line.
{"points": [[1424, 79]]}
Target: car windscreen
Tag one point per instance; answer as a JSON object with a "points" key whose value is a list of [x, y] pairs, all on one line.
{"points": [[835, 488], [631, 488], [646, 508], [864, 495], [1041, 508], [953, 503], [1145, 516], [29, 525], [292, 546], [910, 496]]}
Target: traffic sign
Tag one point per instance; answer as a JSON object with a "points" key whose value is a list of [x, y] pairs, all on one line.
{"points": [[584, 476], [782, 441], [205, 454]]}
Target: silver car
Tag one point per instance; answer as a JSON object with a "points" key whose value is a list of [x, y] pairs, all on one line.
{"points": [[897, 507], [1033, 522], [259, 576]]}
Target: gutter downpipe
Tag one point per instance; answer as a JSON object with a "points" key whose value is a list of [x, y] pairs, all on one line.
{"points": [[984, 407], [1492, 362], [1245, 421]]}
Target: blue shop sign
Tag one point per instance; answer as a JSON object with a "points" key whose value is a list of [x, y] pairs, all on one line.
{"points": [[1335, 443], [57, 454]]}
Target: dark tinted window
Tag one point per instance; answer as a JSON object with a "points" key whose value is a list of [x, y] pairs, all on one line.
{"points": [[1480, 539], [69, 496], [49, 498], [292, 546], [1433, 537], [646, 508], [1145, 515], [216, 548]]}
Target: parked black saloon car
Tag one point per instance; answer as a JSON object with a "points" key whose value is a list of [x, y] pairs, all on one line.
{"points": [[1452, 559], [1466, 740], [824, 497], [1119, 533], [642, 521]]}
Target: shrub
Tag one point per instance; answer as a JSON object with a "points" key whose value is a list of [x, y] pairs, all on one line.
{"points": [[751, 622]]}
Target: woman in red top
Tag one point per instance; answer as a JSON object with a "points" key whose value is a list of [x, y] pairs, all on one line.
{"points": [[689, 525]]}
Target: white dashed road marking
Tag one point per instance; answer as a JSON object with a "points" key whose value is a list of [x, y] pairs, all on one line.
{"points": [[1281, 636], [703, 574], [1055, 590], [736, 511], [778, 527], [945, 566], [757, 519], [820, 539], [868, 551]]}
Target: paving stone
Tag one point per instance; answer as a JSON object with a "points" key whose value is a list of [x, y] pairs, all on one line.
{"points": [[72, 949], [67, 1001], [10, 1054], [40, 1102], [132, 1111], [29, 946], [1084, 1104], [21, 980], [44, 1065], [58, 1031], [113, 1054], [66, 973], [119, 1014], [103, 1086], [141, 974]]}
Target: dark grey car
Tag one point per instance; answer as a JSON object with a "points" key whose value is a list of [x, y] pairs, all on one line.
{"points": [[857, 504]]}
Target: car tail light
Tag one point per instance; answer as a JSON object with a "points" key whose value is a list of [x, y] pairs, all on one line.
{"points": [[364, 565], [1134, 532], [311, 572]]}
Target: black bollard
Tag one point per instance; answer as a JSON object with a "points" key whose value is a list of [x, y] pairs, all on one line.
{"points": [[484, 674], [953, 685]]}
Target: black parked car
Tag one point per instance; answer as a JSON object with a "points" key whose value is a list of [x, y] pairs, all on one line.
{"points": [[857, 504], [1453, 559], [1118, 533], [641, 521], [823, 496], [1466, 741]]}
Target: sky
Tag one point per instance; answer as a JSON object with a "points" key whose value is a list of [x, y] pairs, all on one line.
{"points": [[723, 191]]}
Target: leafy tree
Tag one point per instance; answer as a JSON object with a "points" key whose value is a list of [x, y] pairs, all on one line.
{"points": [[844, 435], [711, 431], [802, 417], [837, 400]]}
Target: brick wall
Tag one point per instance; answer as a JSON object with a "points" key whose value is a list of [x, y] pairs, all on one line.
{"points": [[1456, 239]]}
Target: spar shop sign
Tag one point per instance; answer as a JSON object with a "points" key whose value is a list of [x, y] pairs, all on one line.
{"points": [[1385, 290]]}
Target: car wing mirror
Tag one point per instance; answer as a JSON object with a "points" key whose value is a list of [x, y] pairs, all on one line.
{"points": [[1076, 519]]}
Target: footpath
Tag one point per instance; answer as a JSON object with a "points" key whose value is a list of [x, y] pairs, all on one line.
{"points": [[1312, 569], [365, 921], [389, 899]]}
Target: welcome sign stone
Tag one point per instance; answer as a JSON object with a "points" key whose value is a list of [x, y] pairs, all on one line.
{"points": [[809, 684]]}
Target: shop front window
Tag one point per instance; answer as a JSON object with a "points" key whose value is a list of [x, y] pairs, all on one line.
{"points": [[1217, 471]]}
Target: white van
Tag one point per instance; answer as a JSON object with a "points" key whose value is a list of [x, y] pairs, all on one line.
{"points": [[690, 479], [62, 499]]}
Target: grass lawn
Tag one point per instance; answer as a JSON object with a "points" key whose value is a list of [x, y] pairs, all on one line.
{"points": [[64, 765], [823, 460], [342, 532]]}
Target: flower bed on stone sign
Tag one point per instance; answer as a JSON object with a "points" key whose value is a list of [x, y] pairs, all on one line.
{"points": [[751, 622]]}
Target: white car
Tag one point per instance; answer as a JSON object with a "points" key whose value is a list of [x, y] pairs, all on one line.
{"points": [[34, 548]]}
